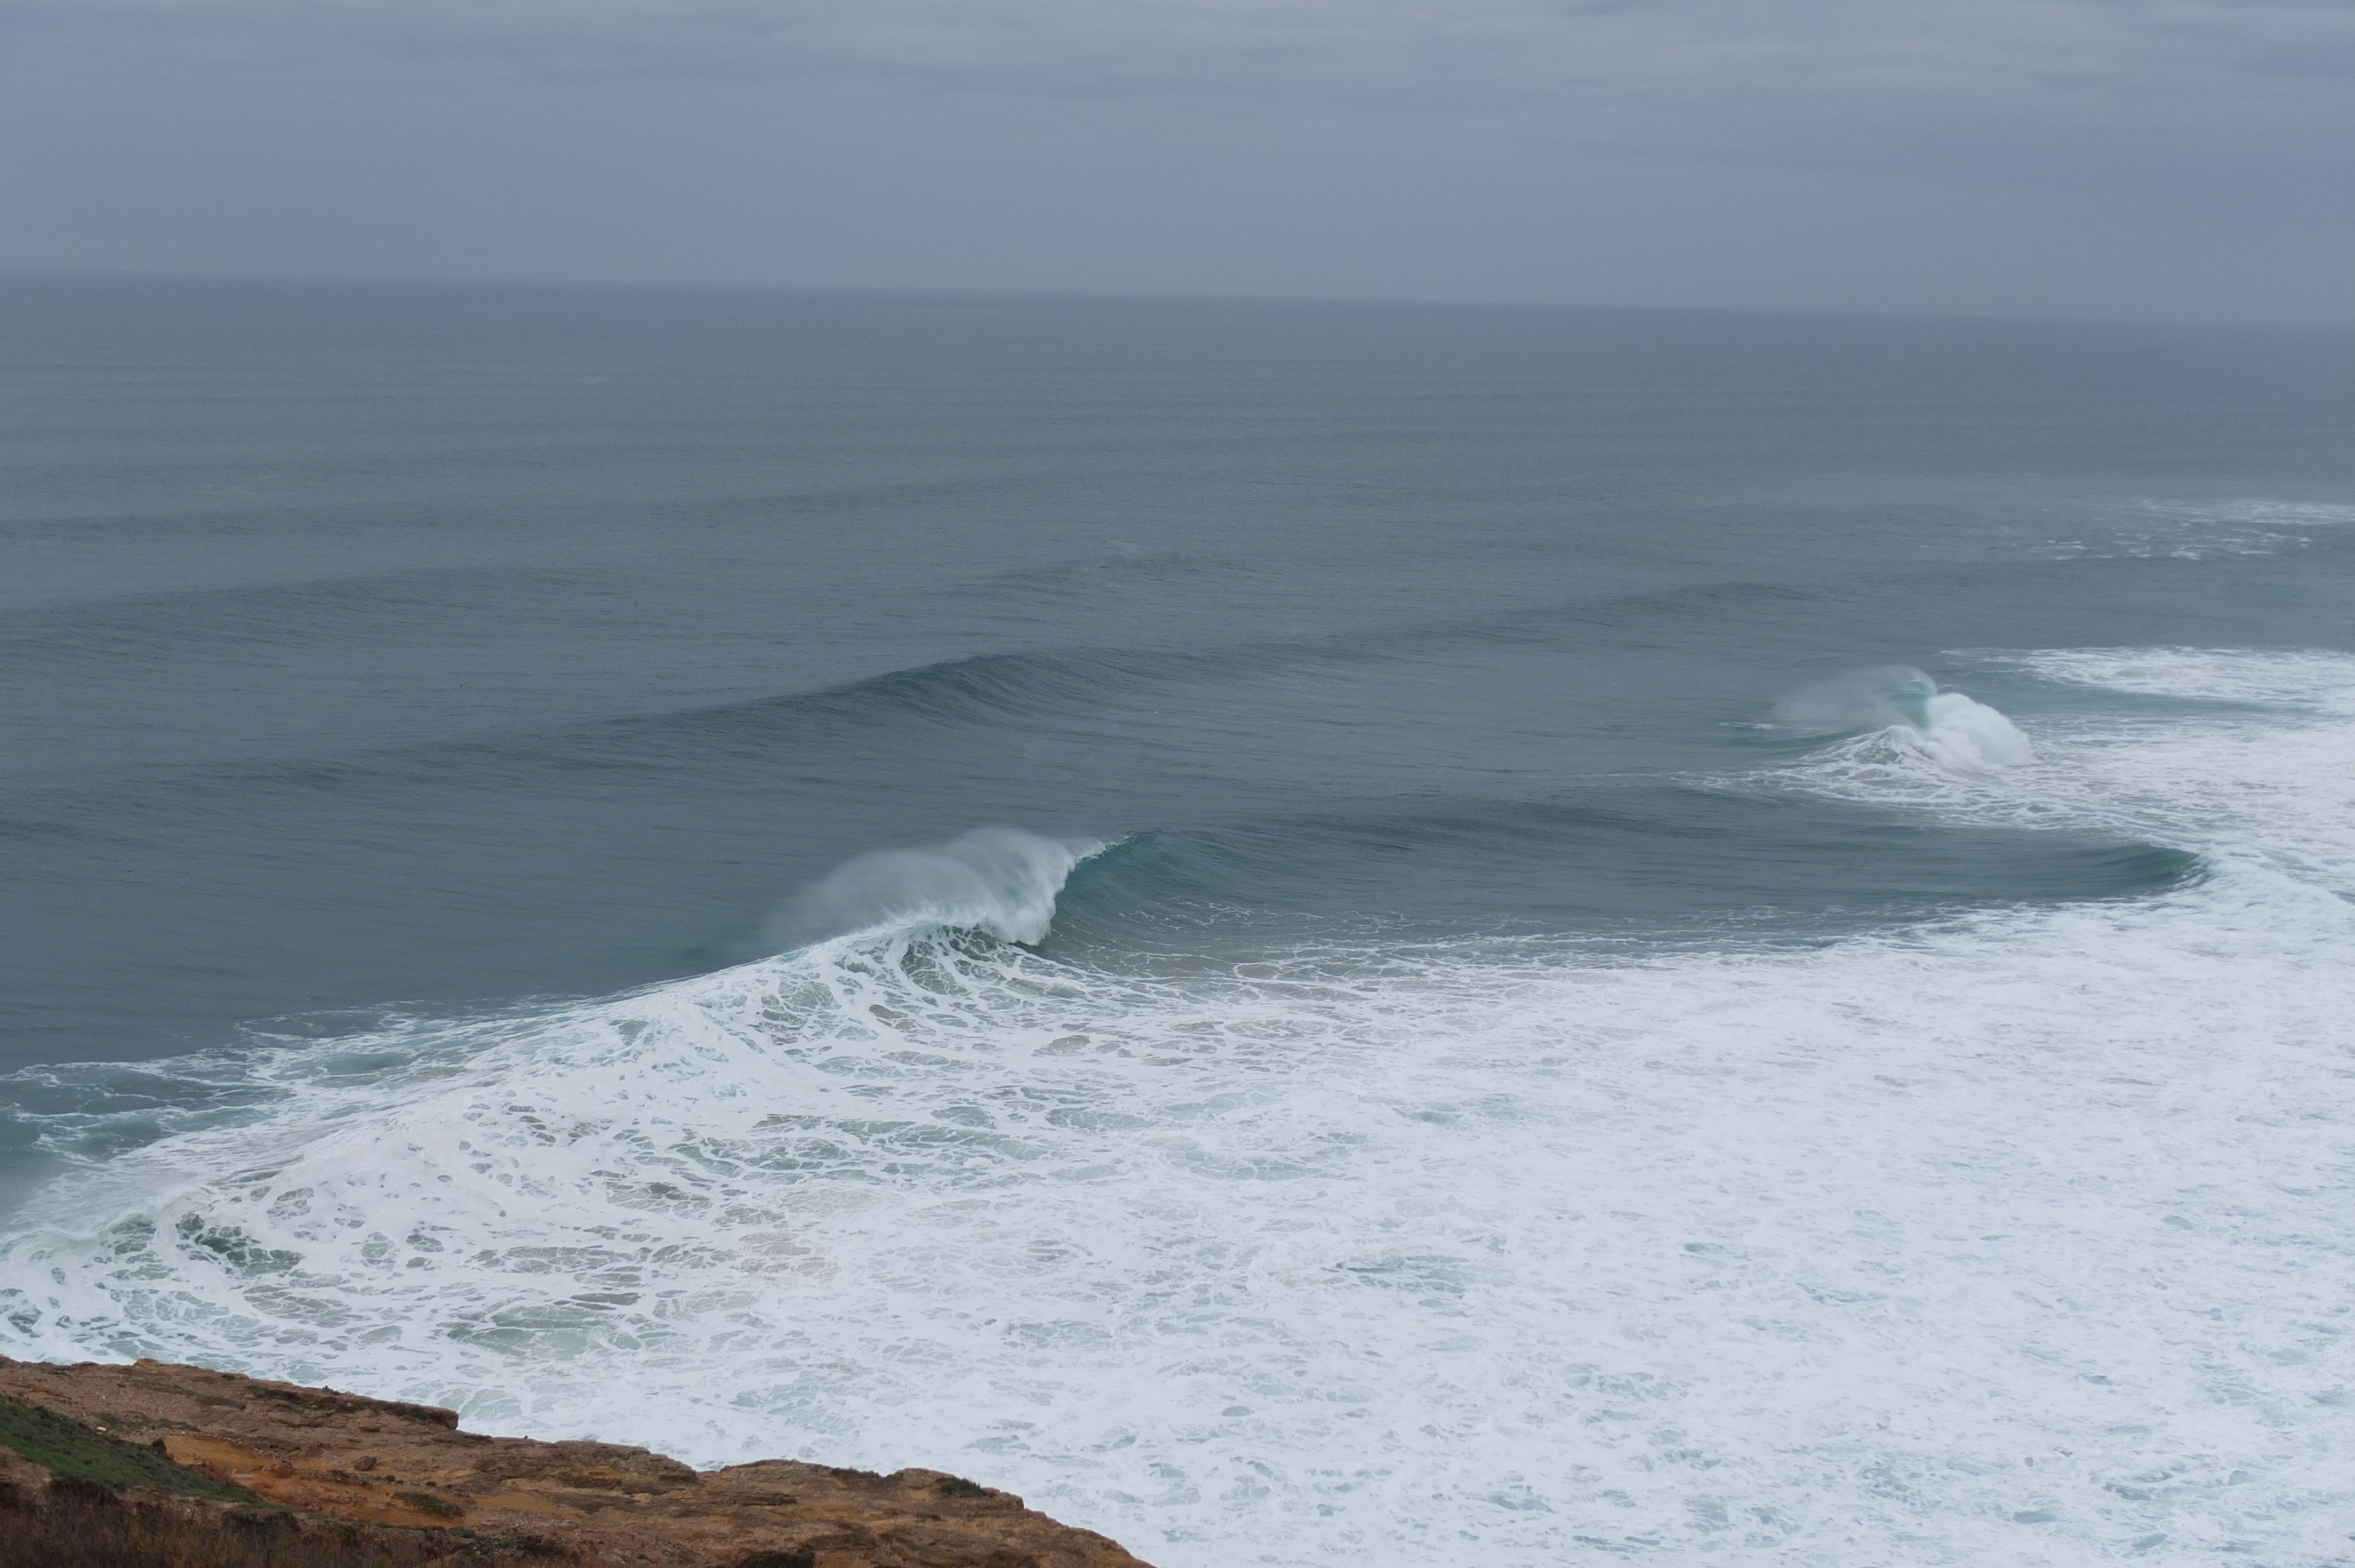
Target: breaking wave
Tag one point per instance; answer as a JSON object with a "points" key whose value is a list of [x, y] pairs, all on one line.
{"points": [[1906, 715], [1002, 882]]}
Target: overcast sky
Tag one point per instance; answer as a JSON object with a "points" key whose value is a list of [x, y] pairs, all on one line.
{"points": [[2185, 159]]}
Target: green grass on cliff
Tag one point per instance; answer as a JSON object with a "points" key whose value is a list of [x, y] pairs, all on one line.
{"points": [[65, 1446]]}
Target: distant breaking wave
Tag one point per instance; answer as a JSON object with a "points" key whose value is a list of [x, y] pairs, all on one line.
{"points": [[1001, 882], [1904, 711]]}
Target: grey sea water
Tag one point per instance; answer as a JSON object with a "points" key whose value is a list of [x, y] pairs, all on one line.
{"points": [[1712, 937]]}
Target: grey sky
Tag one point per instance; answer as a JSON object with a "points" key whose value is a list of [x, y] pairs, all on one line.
{"points": [[2176, 158]]}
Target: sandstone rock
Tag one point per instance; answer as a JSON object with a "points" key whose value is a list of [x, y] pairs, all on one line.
{"points": [[409, 1475]]}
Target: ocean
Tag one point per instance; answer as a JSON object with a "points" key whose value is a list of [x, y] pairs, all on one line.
{"points": [[1372, 934]]}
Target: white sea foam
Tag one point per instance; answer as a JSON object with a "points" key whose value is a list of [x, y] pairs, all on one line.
{"points": [[1969, 737], [2316, 679], [2020, 1240]]}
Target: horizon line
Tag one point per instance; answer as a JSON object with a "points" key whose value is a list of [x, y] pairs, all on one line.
{"points": [[1133, 296]]}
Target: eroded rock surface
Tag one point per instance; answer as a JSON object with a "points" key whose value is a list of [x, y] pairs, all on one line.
{"points": [[381, 1463]]}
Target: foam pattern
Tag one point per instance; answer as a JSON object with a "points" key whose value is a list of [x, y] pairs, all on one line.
{"points": [[2150, 527]]}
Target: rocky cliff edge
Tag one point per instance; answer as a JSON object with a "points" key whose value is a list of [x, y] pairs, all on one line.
{"points": [[153, 1462]]}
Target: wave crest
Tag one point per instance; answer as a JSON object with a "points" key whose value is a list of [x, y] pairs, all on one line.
{"points": [[1000, 881], [1905, 718]]}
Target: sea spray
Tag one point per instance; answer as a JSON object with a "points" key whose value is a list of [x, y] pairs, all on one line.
{"points": [[1880, 697], [1001, 882]]}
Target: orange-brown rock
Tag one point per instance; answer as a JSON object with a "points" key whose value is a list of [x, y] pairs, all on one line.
{"points": [[380, 1463]]}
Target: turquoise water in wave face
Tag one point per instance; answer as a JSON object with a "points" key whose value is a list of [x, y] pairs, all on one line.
{"points": [[1306, 933]]}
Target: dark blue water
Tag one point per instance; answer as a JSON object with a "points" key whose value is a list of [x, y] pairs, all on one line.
{"points": [[370, 644], [382, 663]]}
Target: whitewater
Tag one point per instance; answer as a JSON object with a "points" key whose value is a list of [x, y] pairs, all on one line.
{"points": [[2016, 1236]]}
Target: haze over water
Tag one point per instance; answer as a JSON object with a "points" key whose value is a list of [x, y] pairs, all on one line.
{"points": [[1395, 935]]}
